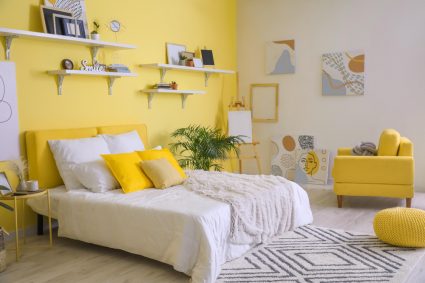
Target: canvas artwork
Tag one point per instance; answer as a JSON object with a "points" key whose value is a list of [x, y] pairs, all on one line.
{"points": [[312, 166], [76, 7], [343, 73], [284, 160], [280, 57], [9, 126]]}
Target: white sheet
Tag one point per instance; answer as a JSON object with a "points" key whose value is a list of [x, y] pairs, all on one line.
{"points": [[174, 226]]}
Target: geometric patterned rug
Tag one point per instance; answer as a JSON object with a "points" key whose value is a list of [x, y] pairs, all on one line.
{"points": [[313, 254]]}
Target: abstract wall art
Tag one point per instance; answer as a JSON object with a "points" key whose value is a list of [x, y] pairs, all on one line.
{"points": [[285, 150], [312, 166], [9, 126], [280, 57], [343, 73]]}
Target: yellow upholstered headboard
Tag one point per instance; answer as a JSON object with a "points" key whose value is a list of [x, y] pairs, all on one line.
{"points": [[41, 164]]}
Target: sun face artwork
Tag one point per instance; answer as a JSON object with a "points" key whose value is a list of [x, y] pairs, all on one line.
{"points": [[284, 160], [343, 73], [312, 166], [280, 57]]}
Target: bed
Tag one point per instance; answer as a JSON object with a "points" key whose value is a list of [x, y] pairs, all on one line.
{"points": [[175, 226]]}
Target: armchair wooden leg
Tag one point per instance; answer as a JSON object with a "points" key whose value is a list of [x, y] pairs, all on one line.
{"points": [[339, 199], [409, 202]]}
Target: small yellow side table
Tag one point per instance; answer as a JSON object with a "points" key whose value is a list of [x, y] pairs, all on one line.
{"points": [[23, 198]]}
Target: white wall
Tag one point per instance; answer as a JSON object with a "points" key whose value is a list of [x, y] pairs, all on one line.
{"points": [[392, 34]]}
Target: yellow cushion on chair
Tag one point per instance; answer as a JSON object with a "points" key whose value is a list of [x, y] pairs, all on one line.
{"points": [[404, 227]]}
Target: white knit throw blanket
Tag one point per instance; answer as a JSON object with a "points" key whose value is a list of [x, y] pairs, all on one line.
{"points": [[261, 205]]}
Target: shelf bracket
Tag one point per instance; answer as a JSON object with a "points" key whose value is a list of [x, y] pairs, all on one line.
{"points": [[162, 72], [184, 97], [207, 76], [111, 81], [150, 98], [60, 83], [8, 44], [94, 50]]}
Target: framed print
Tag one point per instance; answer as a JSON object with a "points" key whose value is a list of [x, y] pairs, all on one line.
{"points": [[5, 187], [198, 62], [173, 53], [48, 20], [72, 27], [187, 54], [58, 24], [207, 57], [76, 7], [264, 100]]}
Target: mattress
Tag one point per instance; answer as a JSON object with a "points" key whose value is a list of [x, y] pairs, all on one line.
{"points": [[174, 226]]}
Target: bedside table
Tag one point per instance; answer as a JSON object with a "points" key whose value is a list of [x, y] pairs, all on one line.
{"points": [[23, 197]]}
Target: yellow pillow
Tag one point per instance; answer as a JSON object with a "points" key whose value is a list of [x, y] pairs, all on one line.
{"points": [[125, 167], [161, 173], [162, 153]]}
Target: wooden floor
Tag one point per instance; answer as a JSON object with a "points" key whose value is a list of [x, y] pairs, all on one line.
{"points": [[73, 261]]}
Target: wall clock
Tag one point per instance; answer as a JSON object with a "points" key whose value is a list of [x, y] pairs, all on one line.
{"points": [[115, 25]]}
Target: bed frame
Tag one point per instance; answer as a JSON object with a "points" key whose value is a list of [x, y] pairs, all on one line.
{"points": [[41, 163]]}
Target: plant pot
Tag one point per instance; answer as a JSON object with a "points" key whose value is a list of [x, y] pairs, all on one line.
{"points": [[182, 62], [95, 36]]}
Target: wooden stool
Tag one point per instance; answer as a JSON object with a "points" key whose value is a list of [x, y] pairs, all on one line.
{"points": [[255, 156]]}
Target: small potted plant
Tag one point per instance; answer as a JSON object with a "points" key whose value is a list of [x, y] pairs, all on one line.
{"points": [[182, 61], [173, 85], [95, 33]]}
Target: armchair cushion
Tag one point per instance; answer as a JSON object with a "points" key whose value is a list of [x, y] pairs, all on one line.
{"points": [[406, 147], [397, 170], [345, 151], [389, 143]]}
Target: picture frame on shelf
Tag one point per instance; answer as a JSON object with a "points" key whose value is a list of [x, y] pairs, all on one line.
{"points": [[76, 7], [70, 26], [5, 187], [59, 27], [47, 18], [197, 62], [173, 52], [207, 57], [189, 55]]}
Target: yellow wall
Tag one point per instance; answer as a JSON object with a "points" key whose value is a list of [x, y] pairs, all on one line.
{"points": [[149, 25]]}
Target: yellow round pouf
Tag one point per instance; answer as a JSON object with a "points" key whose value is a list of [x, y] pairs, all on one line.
{"points": [[399, 226]]}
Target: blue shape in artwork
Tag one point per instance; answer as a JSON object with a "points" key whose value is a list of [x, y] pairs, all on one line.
{"points": [[327, 89], [284, 65], [300, 176]]}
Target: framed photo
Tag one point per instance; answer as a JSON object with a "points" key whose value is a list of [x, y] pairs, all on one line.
{"points": [[197, 62], [207, 57], [187, 54], [5, 187], [173, 53], [47, 18], [264, 101], [69, 26]]}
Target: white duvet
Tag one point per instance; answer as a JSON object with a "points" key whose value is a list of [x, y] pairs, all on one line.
{"points": [[174, 226]]}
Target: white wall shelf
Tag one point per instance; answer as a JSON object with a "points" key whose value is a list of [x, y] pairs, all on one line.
{"points": [[94, 45], [184, 94], [163, 68], [61, 74]]}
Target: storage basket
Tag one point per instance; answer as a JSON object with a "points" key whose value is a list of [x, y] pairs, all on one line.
{"points": [[2, 251]]}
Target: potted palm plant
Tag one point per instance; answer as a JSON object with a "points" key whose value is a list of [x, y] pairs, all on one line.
{"points": [[203, 147]]}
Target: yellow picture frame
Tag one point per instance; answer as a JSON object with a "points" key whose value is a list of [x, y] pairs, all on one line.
{"points": [[264, 102]]}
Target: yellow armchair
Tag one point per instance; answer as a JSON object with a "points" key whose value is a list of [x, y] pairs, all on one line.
{"points": [[389, 174]]}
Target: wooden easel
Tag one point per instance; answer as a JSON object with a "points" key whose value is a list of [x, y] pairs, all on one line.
{"points": [[239, 105]]}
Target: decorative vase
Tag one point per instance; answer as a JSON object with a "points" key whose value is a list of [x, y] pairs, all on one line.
{"points": [[95, 36]]}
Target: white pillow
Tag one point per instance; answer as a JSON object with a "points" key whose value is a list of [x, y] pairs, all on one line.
{"points": [[123, 143], [76, 151], [95, 176]]}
